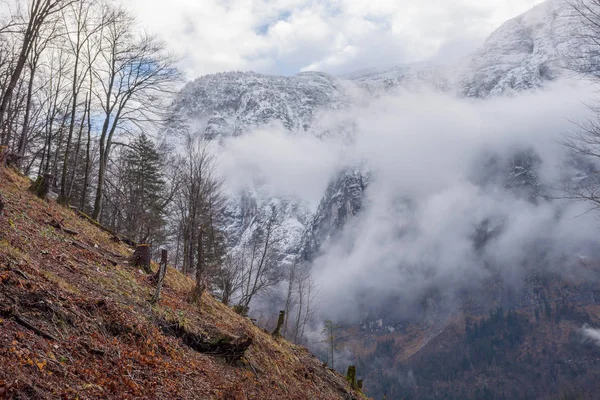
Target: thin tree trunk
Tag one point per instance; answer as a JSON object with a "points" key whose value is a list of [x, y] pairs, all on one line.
{"points": [[86, 175], [76, 158], [200, 278], [25, 131]]}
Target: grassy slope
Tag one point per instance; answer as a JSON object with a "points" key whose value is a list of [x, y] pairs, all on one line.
{"points": [[108, 344]]}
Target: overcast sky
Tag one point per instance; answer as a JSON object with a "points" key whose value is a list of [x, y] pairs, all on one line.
{"points": [[336, 36]]}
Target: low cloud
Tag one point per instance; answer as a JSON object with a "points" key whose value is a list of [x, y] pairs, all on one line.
{"points": [[283, 164], [591, 335], [445, 210]]}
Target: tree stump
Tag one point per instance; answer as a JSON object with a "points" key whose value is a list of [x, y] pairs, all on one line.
{"points": [[241, 310], [3, 154], [160, 275], [280, 321], [351, 376], [41, 186], [141, 258], [12, 160], [359, 384]]}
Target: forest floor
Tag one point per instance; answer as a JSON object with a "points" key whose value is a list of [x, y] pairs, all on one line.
{"points": [[76, 322]]}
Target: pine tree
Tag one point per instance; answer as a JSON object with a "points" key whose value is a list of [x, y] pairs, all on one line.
{"points": [[143, 184]]}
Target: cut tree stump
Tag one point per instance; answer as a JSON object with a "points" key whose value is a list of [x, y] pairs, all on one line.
{"points": [[142, 256], [12, 160], [280, 321], [3, 154], [41, 186], [351, 376]]}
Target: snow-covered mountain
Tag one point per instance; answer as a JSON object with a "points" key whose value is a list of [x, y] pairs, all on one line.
{"points": [[523, 54], [408, 76], [231, 103], [526, 52]]}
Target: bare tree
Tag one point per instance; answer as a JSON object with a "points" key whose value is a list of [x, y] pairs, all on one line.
{"points": [[79, 33], [133, 75], [305, 294], [259, 256], [584, 54], [229, 277], [332, 333], [584, 141], [40, 11], [39, 45]]}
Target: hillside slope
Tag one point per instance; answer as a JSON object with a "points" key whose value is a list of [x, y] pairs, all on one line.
{"points": [[75, 322]]}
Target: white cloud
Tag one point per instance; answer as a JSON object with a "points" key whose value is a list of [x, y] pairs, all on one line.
{"points": [[287, 36], [427, 151], [292, 166], [590, 334]]}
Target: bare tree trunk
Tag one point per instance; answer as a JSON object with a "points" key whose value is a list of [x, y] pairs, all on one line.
{"points": [[160, 276], [88, 161], [200, 278], [43, 185], [76, 158], [25, 131], [288, 300]]}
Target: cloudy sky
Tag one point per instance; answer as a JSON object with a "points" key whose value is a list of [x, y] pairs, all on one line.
{"points": [[337, 36]]}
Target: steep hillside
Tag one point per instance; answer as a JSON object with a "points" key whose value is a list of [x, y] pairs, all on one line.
{"points": [[75, 322]]}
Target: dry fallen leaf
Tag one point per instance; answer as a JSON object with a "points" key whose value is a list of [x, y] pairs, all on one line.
{"points": [[41, 365]]}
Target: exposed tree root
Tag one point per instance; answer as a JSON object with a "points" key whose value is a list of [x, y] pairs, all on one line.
{"points": [[228, 348]]}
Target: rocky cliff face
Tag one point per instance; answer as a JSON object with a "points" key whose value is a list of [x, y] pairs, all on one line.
{"points": [[525, 52], [342, 201], [231, 103]]}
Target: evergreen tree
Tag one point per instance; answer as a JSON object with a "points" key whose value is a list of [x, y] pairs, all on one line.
{"points": [[143, 185]]}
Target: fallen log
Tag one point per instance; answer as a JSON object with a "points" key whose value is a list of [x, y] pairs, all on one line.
{"points": [[9, 313], [116, 237], [113, 258], [55, 224]]}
